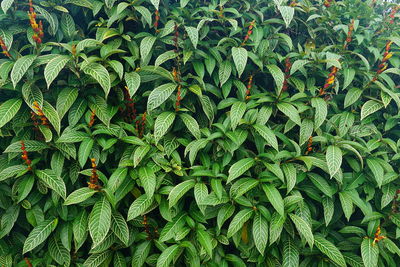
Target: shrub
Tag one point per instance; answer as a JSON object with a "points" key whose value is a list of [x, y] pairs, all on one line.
{"points": [[199, 133]]}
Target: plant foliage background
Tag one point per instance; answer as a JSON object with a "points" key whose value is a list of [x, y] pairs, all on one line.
{"points": [[199, 133]]}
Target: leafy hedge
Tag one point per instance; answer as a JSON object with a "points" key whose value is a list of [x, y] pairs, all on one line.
{"points": [[199, 133]]}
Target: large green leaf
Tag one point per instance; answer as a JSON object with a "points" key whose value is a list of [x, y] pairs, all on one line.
{"points": [[39, 234], [8, 110], [20, 67], [100, 74], [162, 124], [100, 220], [52, 180], [54, 67]]}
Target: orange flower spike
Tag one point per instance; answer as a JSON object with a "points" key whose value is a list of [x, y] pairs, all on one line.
{"points": [[92, 118]]}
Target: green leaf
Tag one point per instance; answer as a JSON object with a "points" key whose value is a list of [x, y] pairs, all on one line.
{"points": [[237, 111], [139, 206], [238, 221], [347, 204], [166, 257], [239, 55], [140, 255], [162, 124], [224, 73], [20, 67], [348, 77], [352, 96], [155, 3], [333, 159], [120, 227], [191, 124], [165, 57], [53, 181], [179, 190], [298, 64], [145, 13], [370, 107], [84, 150], [303, 228], [290, 174], [306, 130], [171, 228], [58, 252], [51, 114], [132, 80], [146, 45], [97, 259], [139, 154], [193, 34], [239, 168], [8, 110], [275, 227], [148, 180], [30, 146], [329, 250], [205, 241], [287, 13], [329, 209], [267, 134], [369, 253], [54, 67], [5, 5], [117, 178], [68, 25], [321, 184], [79, 195], [290, 111], [321, 111], [260, 232], [159, 95], [39, 234], [274, 197], [79, 229], [278, 76], [290, 253], [100, 220], [65, 100], [376, 169], [100, 74]]}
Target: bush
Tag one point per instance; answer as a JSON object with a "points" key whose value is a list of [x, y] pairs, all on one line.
{"points": [[199, 133]]}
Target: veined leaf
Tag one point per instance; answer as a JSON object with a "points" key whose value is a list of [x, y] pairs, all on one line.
{"points": [[238, 221], [370, 107], [303, 228], [53, 181], [239, 55], [369, 253], [132, 80], [54, 67], [237, 111], [20, 67], [162, 124], [239, 168], [329, 250], [278, 76], [139, 206], [100, 74], [274, 197], [179, 190], [333, 159], [8, 110], [100, 220], [260, 232], [79, 195], [159, 95], [39, 234]]}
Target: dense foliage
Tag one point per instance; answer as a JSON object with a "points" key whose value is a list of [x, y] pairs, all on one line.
{"points": [[199, 133]]}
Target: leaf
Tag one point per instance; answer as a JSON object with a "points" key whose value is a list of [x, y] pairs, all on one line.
{"points": [[139, 206], [329, 250], [159, 95], [290, 253], [58, 252], [179, 190], [348, 77], [20, 67], [274, 197], [68, 25], [53, 181], [39, 234], [370, 107], [51, 114], [287, 13], [146, 45], [171, 228], [333, 159], [239, 55], [376, 169], [290, 111], [139, 154], [238, 221], [100, 220], [290, 174], [84, 150], [237, 111], [5, 5], [30, 146], [278, 76], [65, 100], [162, 124], [306, 130], [193, 35], [144, 12], [369, 253], [140, 255], [298, 64], [303, 228], [191, 124], [347, 204], [117, 178], [54, 67], [239, 168], [97, 259], [321, 111], [205, 241], [224, 73], [155, 3], [148, 180], [260, 232], [120, 227], [329, 209], [167, 255], [100, 74], [321, 184], [8, 110], [132, 80], [79, 195], [165, 57], [268, 135]]}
